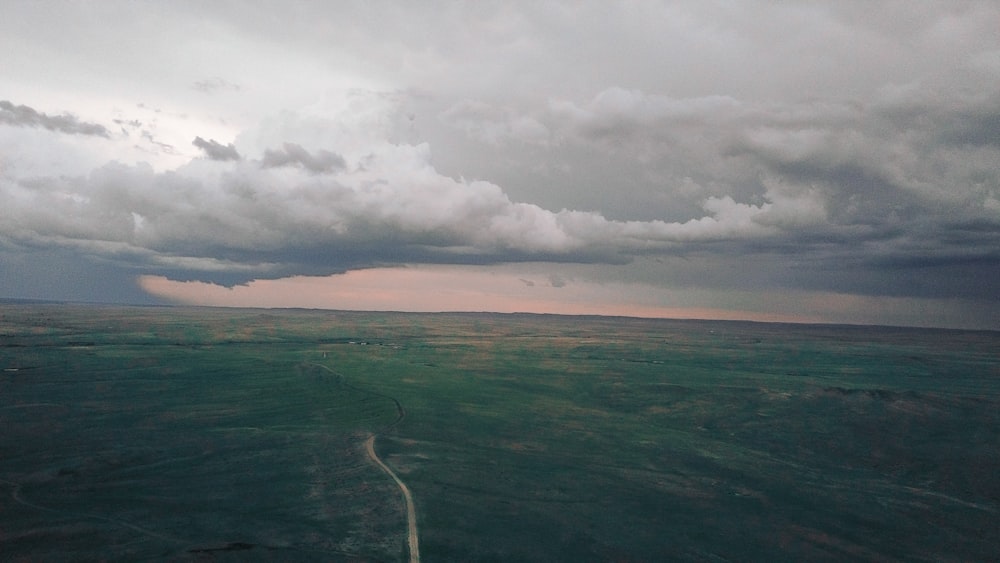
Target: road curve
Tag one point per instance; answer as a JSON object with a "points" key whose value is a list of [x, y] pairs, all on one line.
{"points": [[411, 513]]}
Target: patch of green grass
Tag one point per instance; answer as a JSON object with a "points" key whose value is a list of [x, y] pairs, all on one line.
{"points": [[188, 433], [162, 449]]}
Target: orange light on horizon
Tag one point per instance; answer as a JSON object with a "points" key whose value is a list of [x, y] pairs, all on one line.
{"points": [[446, 289]]}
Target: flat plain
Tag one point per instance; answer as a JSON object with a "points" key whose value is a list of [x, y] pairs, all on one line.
{"points": [[175, 433]]}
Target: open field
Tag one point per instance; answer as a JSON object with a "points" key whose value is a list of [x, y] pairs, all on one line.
{"points": [[213, 434]]}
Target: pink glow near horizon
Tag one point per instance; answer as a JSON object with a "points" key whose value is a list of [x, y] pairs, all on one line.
{"points": [[446, 289]]}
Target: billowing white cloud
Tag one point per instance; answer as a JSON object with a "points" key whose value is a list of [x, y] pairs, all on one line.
{"points": [[390, 205], [836, 147]]}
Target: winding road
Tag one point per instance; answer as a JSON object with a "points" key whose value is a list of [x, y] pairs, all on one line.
{"points": [[411, 513]]}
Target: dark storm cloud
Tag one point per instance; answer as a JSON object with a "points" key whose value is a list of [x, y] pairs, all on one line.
{"points": [[54, 272], [857, 154], [291, 154], [24, 116], [975, 128], [264, 222], [216, 150], [862, 196], [881, 188], [826, 200]]}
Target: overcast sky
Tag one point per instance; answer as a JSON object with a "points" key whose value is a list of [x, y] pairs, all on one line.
{"points": [[804, 161]]}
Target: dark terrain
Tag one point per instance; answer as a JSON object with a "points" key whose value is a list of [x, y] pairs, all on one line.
{"points": [[221, 434]]}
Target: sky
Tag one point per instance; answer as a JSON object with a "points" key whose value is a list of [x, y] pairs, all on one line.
{"points": [[777, 161]]}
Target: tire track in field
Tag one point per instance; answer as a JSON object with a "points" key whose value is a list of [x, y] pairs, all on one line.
{"points": [[15, 494], [18, 497]]}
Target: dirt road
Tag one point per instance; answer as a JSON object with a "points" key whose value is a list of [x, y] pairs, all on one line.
{"points": [[411, 513]]}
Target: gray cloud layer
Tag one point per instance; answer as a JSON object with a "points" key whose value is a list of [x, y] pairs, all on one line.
{"points": [[907, 180], [832, 146], [216, 150], [292, 154], [904, 192], [24, 116], [215, 84]]}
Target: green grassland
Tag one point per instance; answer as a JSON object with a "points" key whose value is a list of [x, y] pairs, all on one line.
{"points": [[221, 434]]}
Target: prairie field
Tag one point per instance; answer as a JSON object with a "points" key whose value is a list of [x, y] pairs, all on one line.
{"points": [[169, 433]]}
